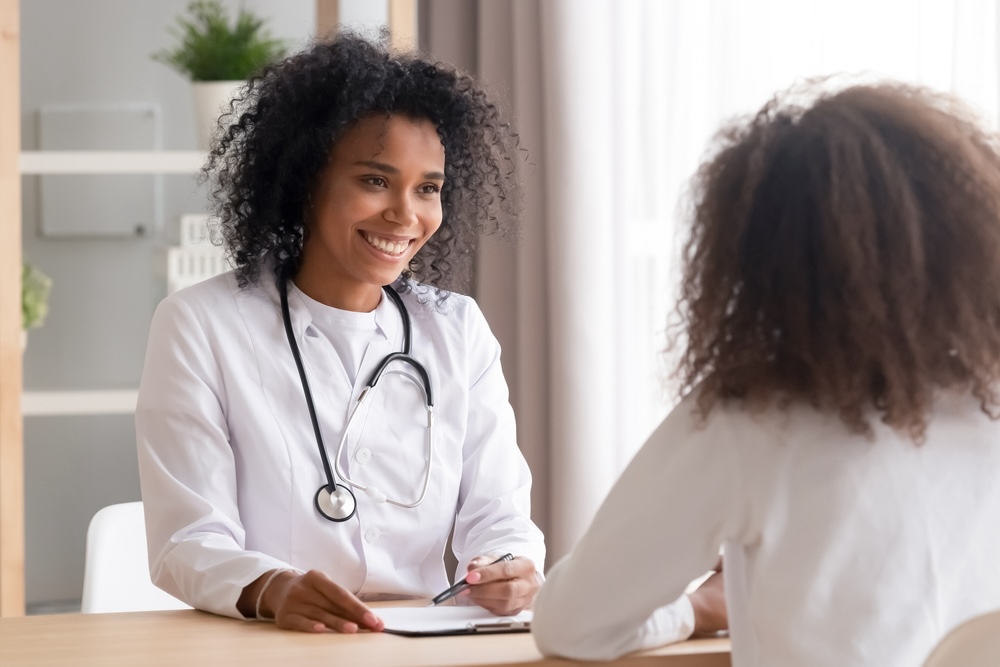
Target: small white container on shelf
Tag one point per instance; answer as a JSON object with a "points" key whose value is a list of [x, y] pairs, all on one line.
{"points": [[196, 258]]}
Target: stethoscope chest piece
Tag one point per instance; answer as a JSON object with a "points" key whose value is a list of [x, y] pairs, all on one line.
{"points": [[338, 504]]}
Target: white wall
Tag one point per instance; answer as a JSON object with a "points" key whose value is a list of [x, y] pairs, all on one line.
{"points": [[365, 16]]}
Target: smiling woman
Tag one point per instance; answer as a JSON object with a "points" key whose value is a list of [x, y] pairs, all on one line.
{"points": [[350, 174]]}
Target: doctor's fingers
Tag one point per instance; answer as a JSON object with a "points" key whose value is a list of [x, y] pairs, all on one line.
{"points": [[504, 598], [308, 618], [314, 591], [507, 596], [519, 567], [318, 615]]}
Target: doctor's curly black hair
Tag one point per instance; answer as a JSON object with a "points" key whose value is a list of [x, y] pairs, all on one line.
{"points": [[265, 165]]}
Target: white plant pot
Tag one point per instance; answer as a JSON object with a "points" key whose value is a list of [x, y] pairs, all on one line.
{"points": [[211, 100]]}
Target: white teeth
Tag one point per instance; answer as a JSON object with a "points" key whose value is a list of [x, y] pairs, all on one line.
{"points": [[392, 248]]}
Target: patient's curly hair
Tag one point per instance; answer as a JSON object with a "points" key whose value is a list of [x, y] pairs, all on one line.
{"points": [[846, 253], [265, 166]]}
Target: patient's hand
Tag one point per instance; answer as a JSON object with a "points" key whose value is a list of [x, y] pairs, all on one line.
{"points": [[709, 603]]}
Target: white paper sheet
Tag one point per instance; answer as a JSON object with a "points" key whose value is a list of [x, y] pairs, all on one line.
{"points": [[450, 620]]}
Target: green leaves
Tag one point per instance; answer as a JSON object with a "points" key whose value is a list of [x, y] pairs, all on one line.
{"points": [[35, 288], [211, 49]]}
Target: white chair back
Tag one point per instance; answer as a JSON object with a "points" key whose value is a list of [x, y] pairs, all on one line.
{"points": [[116, 569], [975, 643]]}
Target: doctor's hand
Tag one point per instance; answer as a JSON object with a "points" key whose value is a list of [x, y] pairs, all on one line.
{"points": [[503, 588], [310, 602]]}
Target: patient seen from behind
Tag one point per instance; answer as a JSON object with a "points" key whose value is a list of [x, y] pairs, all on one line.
{"points": [[838, 433]]}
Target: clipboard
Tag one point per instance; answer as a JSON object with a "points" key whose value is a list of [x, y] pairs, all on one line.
{"points": [[450, 620]]}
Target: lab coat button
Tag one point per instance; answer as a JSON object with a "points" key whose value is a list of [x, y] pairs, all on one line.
{"points": [[372, 534], [363, 456]]}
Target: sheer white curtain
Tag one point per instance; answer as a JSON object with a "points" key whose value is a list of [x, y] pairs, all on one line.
{"points": [[616, 102], [685, 67]]}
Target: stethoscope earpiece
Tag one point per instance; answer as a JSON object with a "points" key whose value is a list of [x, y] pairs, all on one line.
{"points": [[338, 504]]}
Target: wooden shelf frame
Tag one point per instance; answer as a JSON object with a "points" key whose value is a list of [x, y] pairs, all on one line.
{"points": [[11, 424]]}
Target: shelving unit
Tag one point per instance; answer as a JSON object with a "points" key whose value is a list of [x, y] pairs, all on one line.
{"points": [[97, 402], [15, 403]]}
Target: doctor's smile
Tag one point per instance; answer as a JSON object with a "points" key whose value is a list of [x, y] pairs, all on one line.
{"points": [[387, 246]]}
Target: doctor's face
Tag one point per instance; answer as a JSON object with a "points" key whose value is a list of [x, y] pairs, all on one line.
{"points": [[375, 205]]}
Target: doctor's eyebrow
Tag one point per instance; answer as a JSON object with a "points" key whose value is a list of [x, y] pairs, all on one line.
{"points": [[389, 169]]}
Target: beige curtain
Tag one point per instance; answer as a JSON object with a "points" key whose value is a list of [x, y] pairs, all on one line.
{"points": [[548, 295]]}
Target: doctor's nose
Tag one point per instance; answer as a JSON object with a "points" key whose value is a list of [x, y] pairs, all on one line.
{"points": [[401, 211]]}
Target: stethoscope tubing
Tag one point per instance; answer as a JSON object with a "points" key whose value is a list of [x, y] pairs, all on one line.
{"points": [[332, 488], [429, 449], [286, 317]]}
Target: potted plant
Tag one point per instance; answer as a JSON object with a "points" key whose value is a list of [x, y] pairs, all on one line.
{"points": [[218, 56], [35, 288]]}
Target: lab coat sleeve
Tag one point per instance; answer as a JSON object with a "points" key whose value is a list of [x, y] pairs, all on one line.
{"points": [[186, 465], [660, 527], [494, 506]]}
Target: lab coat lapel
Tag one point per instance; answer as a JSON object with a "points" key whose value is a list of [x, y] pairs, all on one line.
{"points": [[260, 306]]}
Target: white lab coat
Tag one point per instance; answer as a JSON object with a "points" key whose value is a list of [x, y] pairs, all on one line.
{"points": [[229, 465]]}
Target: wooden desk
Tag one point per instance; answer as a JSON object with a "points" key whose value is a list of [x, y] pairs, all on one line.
{"points": [[191, 638]]}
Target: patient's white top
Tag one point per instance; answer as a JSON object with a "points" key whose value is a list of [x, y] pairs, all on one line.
{"points": [[839, 550]]}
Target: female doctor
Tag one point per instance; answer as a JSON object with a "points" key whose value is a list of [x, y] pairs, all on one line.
{"points": [[315, 424]]}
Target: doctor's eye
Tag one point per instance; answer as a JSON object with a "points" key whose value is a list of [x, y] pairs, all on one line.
{"points": [[377, 181], [429, 189]]}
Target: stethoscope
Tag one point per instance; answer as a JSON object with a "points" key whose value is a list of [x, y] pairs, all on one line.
{"points": [[334, 501]]}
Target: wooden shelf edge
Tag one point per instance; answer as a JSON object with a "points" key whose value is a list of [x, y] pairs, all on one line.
{"points": [[83, 402], [111, 162]]}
